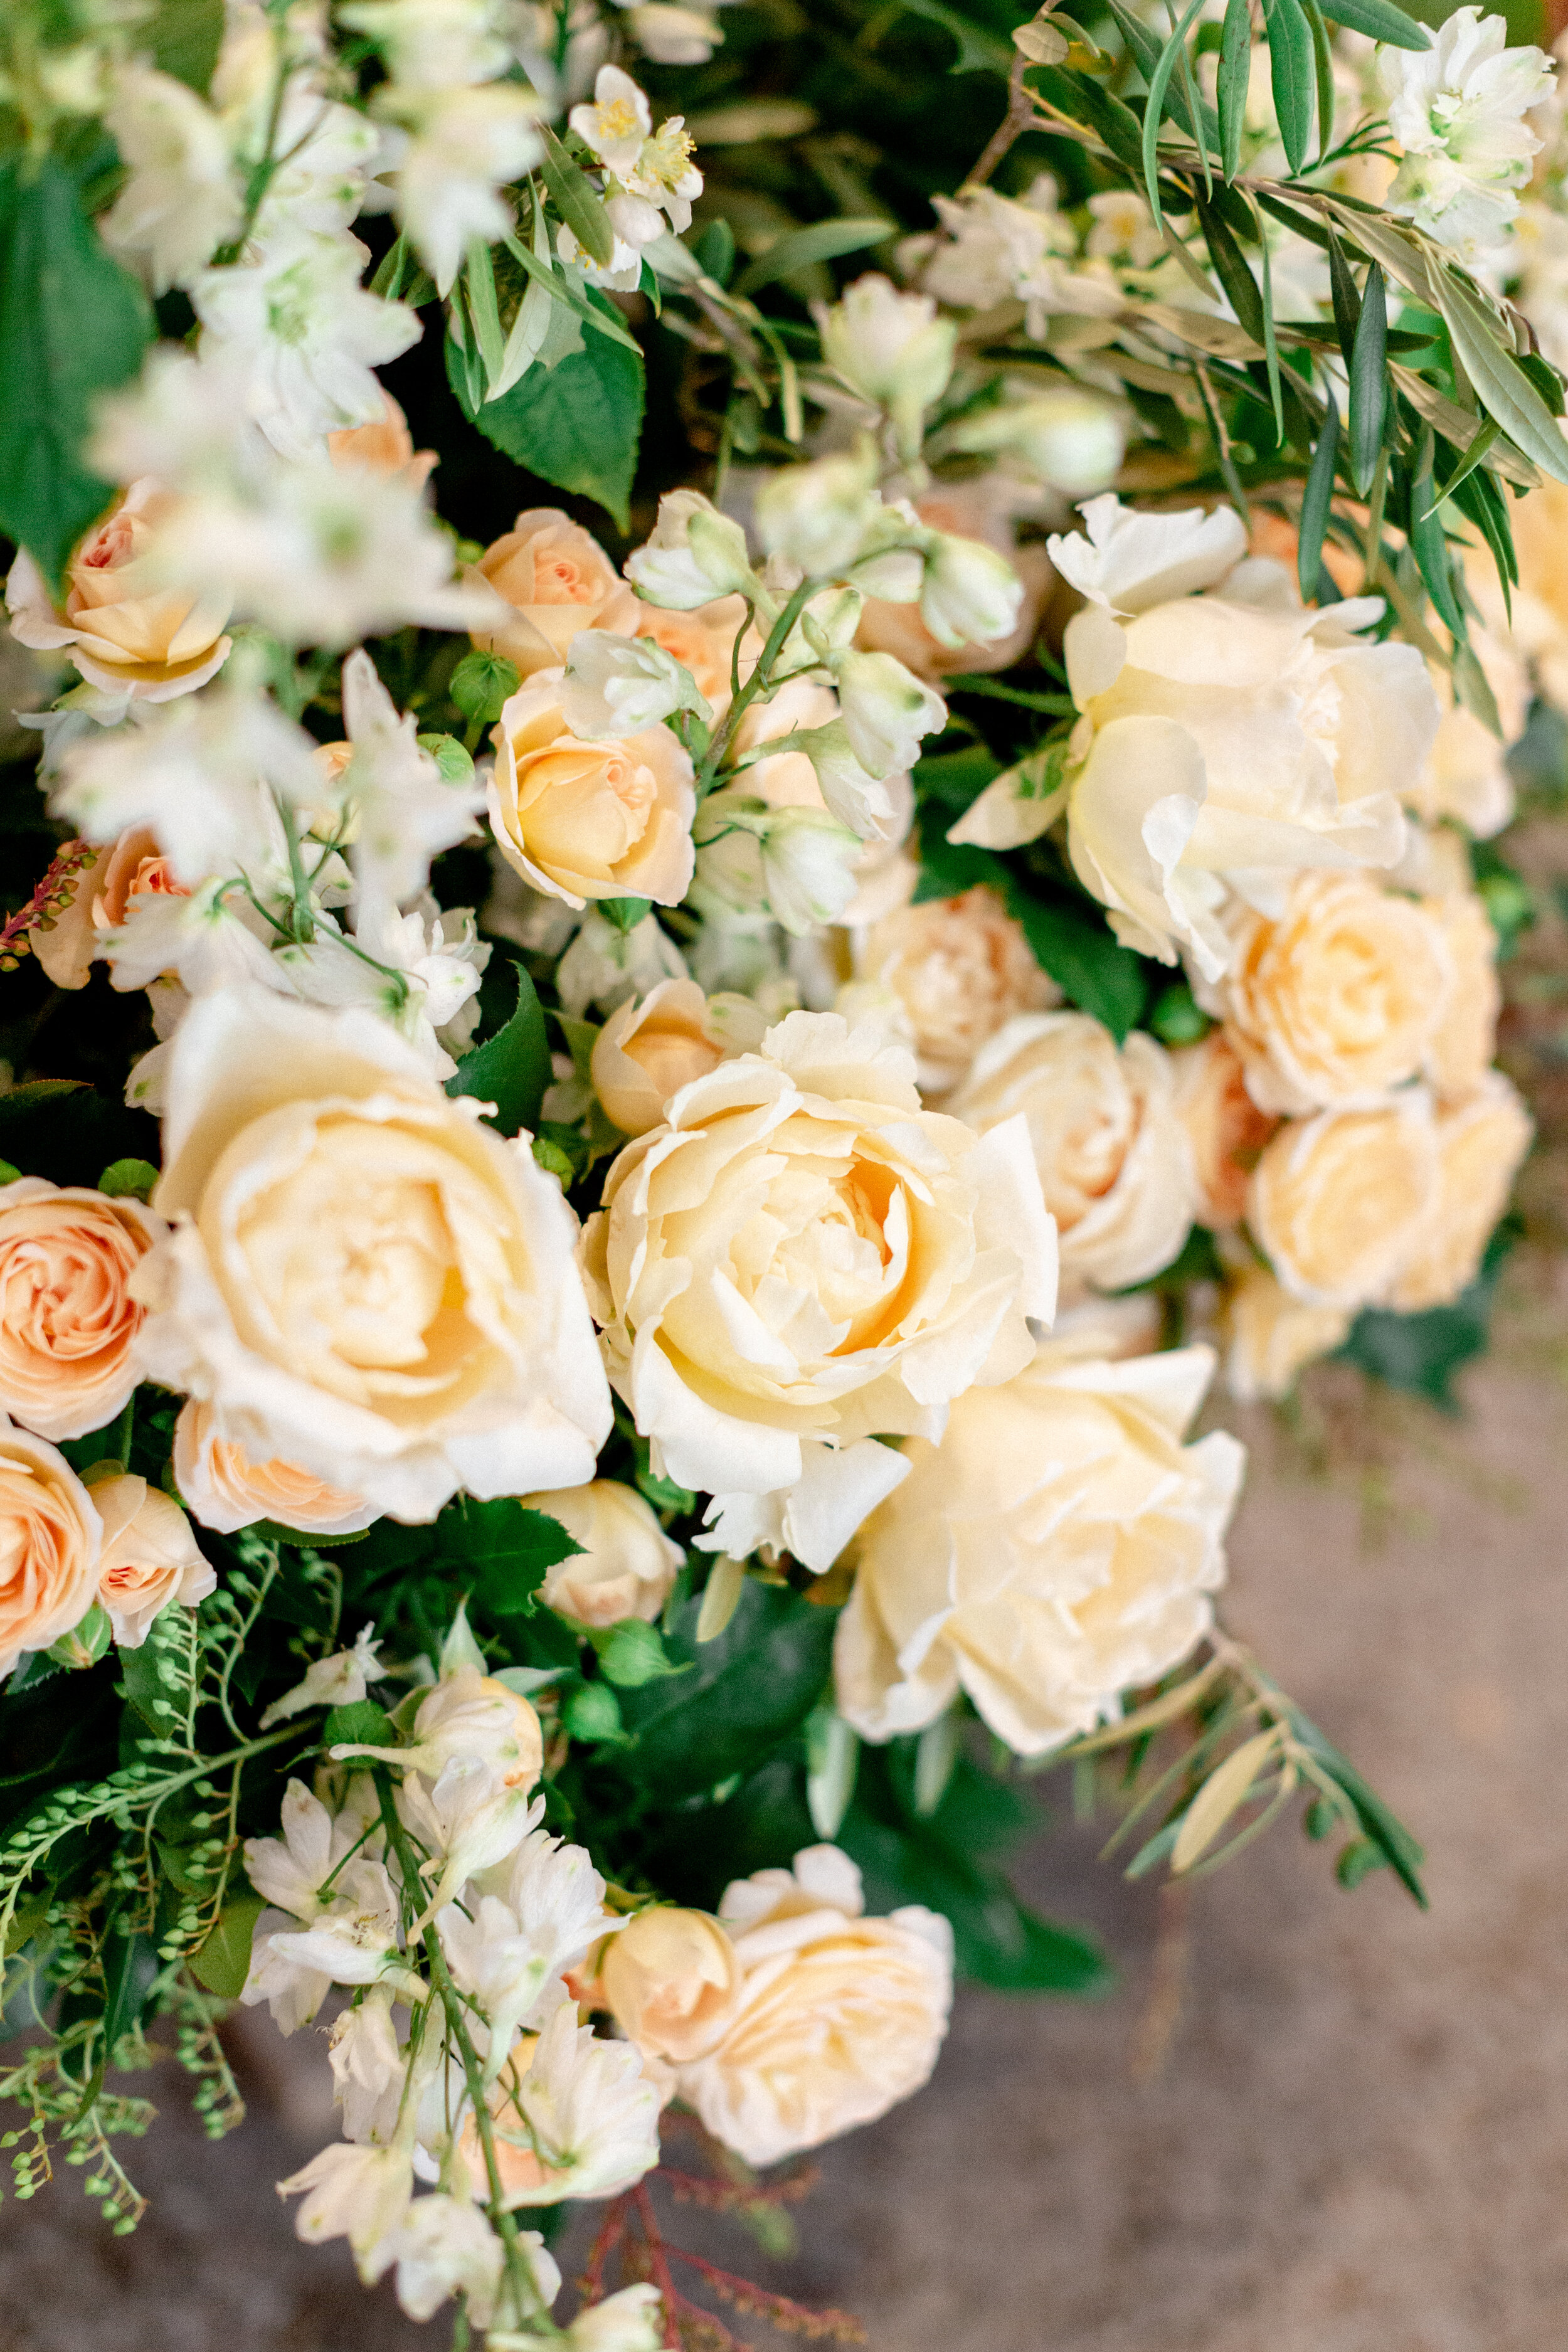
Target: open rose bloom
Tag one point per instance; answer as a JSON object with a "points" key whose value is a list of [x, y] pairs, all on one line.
{"points": [[126, 628]]}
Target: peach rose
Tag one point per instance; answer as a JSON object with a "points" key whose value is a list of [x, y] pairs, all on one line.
{"points": [[1335, 1199], [1273, 1335], [557, 580], [703, 640], [967, 510], [627, 1563], [1481, 1144], [838, 2016], [1339, 1000], [132, 867], [671, 1978], [125, 632], [960, 968], [1466, 1037], [1226, 1129], [581, 821], [150, 1556], [648, 1051], [1112, 1154], [50, 1539], [224, 1490], [385, 447], [67, 1314]]}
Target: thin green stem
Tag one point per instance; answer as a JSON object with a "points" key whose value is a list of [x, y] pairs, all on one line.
{"points": [[759, 682]]}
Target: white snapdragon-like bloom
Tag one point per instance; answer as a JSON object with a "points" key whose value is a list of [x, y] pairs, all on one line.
{"points": [[892, 349], [1457, 110], [288, 1870], [508, 1951], [420, 971], [358, 2193], [435, 44], [886, 711], [308, 335], [694, 554], [183, 198], [1001, 248], [368, 2066], [464, 146], [617, 685], [796, 865], [406, 811], [341, 1680], [586, 2119], [1227, 740], [443, 2246]]}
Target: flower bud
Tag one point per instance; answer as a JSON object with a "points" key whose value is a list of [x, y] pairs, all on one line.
{"points": [[893, 349], [695, 554], [795, 864], [971, 593], [626, 1564], [618, 685], [85, 1643], [885, 709], [821, 516], [1070, 440]]}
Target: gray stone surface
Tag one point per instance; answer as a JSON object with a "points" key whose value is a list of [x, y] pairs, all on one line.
{"points": [[1354, 2136]]}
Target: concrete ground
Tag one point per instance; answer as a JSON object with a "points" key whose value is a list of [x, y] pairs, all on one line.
{"points": [[1306, 2121]]}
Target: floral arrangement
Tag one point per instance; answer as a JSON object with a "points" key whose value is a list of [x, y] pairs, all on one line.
{"points": [[634, 1140]]}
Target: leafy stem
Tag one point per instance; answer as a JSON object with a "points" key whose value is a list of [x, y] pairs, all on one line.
{"points": [[759, 683]]}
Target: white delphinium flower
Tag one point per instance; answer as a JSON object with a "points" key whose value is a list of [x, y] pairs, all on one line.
{"points": [[307, 335], [435, 44], [1070, 438], [693, 554], [604, 966], [470, 1820], [182, 197], [650, 180], [353, 1937], [407, 811], [526, 1932], [464, 146], [590, 2112], [891, 348], [1456, 108], [617, 685], [970, 594], [794, 864], [444, 2246], [1001, 248], [201, 774], [885, 709], [358, 2193], [210, 937], [420, 969], [341, 1680], [325, 153], [369, 2067], [290, 1870], [828, 520]]}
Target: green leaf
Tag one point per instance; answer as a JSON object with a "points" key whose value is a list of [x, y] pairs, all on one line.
{"points": [[1144, 49], [1421, 1353], [223, 1962], [1502, 385], [455, 764], [802, 249], [1385, 1827], [1092, 969], [1380, 21], [1082, 99], [978, 51], [1293, 74], [129, 1180], [1324, 75], [129, 1969], [482, 683], [511, 1069], [1429, 543], [1316, 502], [1231, 271], [1235, 73], [361, 1724], [512, 1553], [752, 1685], [185, 36], [1369, 381], [625, 914], [603, 316], [578, 203], [592, 1712], [72, 324], [577, 423], [1155, 109], [1346, 300]]}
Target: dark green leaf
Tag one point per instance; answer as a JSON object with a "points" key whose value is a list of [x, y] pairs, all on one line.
{"points": [[751, 1688], [1369, 381], [511, 1069], [1544, 377], [978, 51], [1346, 300], [1155, 109], [1144, 48], [1380, 21], [72, 324], [1429, 543], [1082, 99], [130, 1965], [802, 249], [1421, 1353], [1316, 501], [1293, 74], [1092, 969], [1324, 75], [1231, 271], [577, 423], [1235, 72], [577, 202], [223, 1962], [592, 1712], [185, 36], [1387, 1831]]}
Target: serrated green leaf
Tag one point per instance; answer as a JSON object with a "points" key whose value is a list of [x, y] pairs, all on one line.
{"points": [[577, 423], [511, 1069], [1293, 74], [482, 685], [1369, 381], [1235, 74], [73, 324], [802, 249], [361, 1724]]}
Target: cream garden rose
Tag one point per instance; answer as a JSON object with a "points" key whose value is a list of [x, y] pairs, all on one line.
{"points": [[647, 1050], [1225, 1130], [124, 630], [68, 1315], [961, 968], [839, 2017], [1481, 1142], [581, 820], [1114, 1162], [671, 1978], [558, 580], [801, 1257], [1465, 1040], [1341, 999], [626, 1564], [1336, 1200], [1273, 1337], [366, 1281], [51, 1539], [224, 1490], [150, 1556], [1226, 740], [1060, 1545]]}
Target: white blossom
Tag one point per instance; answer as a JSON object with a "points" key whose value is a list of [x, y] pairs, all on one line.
{"points": [[182, 199], [1457, 108], [358, 2193], [891, 348], [886, 711], [617, 685], [693, 554], [407, 811], [464, 146], [970, 594], [289, 1870], [341, 1680], [369, 2067], [354, 1939], [794, 864], [445, 2246], [592, 2113]]}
